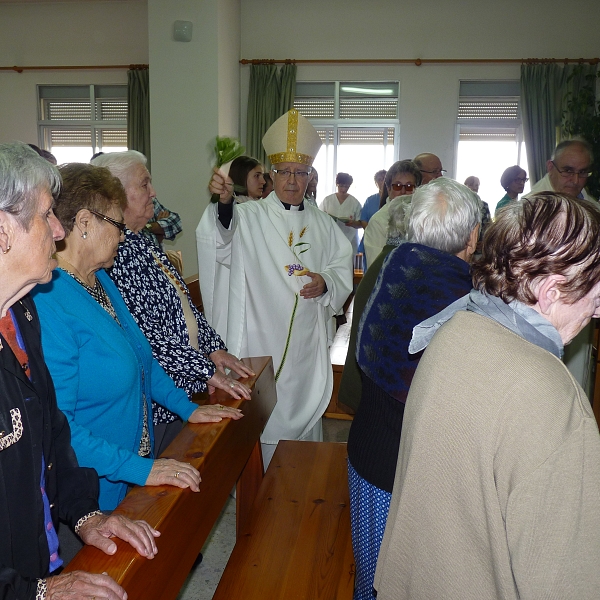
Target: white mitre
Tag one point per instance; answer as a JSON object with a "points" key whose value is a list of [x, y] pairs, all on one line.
{"points": [[291, 139]]}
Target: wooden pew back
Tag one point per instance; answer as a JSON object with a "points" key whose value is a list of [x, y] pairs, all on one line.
{"points": [[193, 284], [221, 452], [297, 543]]}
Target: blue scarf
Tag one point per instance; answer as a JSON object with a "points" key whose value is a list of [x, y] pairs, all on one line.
{"points": [[516, 316], [414, 283]]}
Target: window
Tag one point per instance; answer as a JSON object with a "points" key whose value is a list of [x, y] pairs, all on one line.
{"points": [[490, 135], [358, 124], [76, 121]]}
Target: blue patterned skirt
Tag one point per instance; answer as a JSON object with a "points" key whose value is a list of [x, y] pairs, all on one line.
{"points": [[369, 507]]}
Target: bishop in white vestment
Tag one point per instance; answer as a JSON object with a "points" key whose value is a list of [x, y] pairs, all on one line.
{"points": [[272, 274]]}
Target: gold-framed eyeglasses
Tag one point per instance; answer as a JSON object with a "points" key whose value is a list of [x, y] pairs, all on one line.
{"points": [[120, 226], [569, 172], [286, 174]]}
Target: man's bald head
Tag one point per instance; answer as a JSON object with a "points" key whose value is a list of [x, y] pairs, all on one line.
{"points": [[429, 165]]}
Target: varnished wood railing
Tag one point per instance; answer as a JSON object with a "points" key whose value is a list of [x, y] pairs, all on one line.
{"points": [[224, 453]]}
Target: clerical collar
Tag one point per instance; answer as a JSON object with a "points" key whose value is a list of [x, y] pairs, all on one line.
{"points": [[292, 207]]}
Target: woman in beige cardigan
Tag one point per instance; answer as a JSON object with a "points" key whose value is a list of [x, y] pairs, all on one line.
{"points": [[498, 477]]}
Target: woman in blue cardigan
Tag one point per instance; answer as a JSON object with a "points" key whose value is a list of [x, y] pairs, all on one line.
{"points": [[100, 361]]}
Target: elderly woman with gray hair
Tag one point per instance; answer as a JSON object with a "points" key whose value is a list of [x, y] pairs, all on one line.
{"points": [[41, 480], [498, 477], [417, 280], [182, 341]]}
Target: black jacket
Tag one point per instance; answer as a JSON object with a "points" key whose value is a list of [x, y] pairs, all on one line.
{"points": [[31, 423]]}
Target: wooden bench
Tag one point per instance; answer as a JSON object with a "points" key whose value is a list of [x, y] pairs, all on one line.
{"points": [[297, 543], [337, 355], [224, 453], [193, 284]]}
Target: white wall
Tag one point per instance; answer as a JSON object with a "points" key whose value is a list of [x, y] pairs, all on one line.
{"points": [[194, 96], [198, 90], [63, 33], [426, 29], [363, 29]]}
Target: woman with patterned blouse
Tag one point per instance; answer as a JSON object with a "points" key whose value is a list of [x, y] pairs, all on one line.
{"points": [[100, 361], [185, 345]]}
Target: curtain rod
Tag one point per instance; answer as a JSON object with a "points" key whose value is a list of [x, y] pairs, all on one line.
{"points": [[418, 61], [73, 68]]}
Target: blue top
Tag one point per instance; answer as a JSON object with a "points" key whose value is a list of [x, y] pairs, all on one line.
{"points": [[370, 207], [103, 373]]}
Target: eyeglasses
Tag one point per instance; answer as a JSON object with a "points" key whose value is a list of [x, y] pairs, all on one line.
{"points": [[435, 171], [569, 172], [120, 226], [522, 179], [286, 174], [398, 187]]}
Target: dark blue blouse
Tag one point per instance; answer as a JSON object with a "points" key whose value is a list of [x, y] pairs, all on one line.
{"points": [[156, 307]]}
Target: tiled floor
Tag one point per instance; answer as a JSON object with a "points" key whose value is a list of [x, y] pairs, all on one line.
{"points": [[203, 580]]}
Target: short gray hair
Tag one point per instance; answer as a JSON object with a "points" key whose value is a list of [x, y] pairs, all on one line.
{"points": [[120, 164], [24, 174], [398, 211], [576, 141], [443, 214]]}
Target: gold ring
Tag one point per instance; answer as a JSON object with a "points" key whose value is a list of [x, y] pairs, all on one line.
{"points": [[176, 473]]}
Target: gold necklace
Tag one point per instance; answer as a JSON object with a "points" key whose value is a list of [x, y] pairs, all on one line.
{"points": [[74, 271], [170, 275]]}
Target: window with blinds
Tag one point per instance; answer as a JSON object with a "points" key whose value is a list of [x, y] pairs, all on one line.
{"points": [[76, 121], [488, 118], [489, 134], [358, 124]]}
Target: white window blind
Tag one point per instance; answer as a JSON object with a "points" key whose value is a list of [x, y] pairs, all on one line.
{"points": [[488, 109], [70, 137], [367, 136], [315, 108], [368, 108], [83, 116]]}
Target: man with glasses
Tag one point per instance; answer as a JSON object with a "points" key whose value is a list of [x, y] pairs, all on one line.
{"points": [[273, 273], [430, 166], [568, 170]]}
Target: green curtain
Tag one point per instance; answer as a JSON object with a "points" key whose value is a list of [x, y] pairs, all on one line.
{"points": [[287, 88], [544, 88], [271, 95], [138, 112]]}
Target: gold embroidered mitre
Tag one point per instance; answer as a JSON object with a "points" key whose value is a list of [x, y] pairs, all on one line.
{"points": [[291, 139]]}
